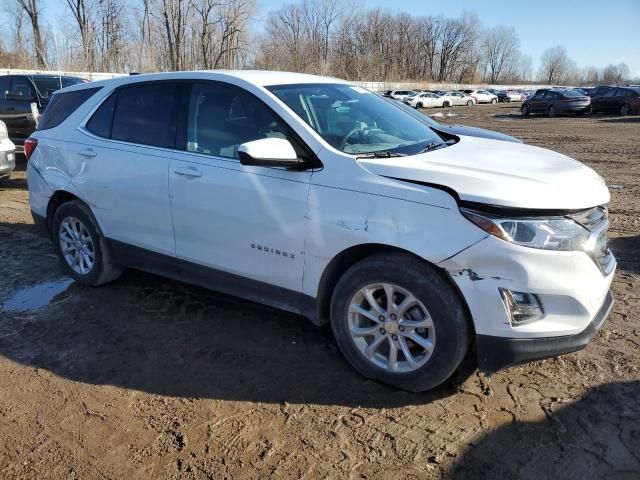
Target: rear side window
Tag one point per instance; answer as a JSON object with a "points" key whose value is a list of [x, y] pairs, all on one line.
{"points": [[140, 114], [143, 114], [62, 105]]}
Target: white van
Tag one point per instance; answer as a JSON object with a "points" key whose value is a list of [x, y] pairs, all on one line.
{"points": [[318, 197]]}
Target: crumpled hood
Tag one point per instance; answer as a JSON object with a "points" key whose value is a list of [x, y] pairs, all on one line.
{"points": [[501, 173]]}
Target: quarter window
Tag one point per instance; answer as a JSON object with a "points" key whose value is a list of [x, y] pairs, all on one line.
{"points": [[222, 117]]}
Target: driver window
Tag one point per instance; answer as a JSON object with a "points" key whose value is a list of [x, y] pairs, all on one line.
{"points": [[222, 117], [21, 86]]}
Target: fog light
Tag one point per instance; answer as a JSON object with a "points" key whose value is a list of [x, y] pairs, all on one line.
{"points": [[521, 307]]}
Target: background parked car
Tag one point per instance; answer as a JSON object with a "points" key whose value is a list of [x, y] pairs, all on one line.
{"points": [[7, 154], [600, 90], [401, 94], [622, 100], [426, 99], [514, 96], [451, 99], [482, 96], [552, 102], [18, 92], [457, 129], [501, 94]]}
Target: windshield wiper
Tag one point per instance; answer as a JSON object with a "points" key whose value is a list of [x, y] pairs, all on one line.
{"points": [[382, 154], [432, 146]]}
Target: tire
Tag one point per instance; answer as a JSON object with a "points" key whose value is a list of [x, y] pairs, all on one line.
{"points": [[551, 111], [470, 103], [419, 105], [524, 110], [446, 105], [77, 216], [449, 330], [494, 100], [508, 100], [625, 109]]}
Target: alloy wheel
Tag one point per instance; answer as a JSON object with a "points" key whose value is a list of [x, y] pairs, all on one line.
{"points": [[391, 328], [76, 245]]}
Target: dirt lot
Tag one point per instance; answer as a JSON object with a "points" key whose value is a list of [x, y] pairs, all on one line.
{"points": [[150, 378]]}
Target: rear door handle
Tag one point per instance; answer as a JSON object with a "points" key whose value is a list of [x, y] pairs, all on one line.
{"points": [[188, 172], [87, 152]]}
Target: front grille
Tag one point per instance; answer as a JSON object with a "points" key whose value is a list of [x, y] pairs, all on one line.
{"points": [[596, 220]]}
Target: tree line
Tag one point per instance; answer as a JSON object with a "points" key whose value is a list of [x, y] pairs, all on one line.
{"points": [[331, 37]]}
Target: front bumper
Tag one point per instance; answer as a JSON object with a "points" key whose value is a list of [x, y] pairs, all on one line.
{"points": [[495, 353]]}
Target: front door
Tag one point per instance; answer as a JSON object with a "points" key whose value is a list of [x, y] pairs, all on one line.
{"points": [[16, 112], [243, 220]]}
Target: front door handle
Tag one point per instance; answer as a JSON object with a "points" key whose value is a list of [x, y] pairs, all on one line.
{"points": [[188, 172], [88, 153]]}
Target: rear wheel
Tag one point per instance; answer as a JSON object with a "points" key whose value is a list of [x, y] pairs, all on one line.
{"points": [[494, 100], [446, 105], [80, 245], [524, 110], [625, 109], [398, 321], [418, 105], [469, 103], [551, 112]]}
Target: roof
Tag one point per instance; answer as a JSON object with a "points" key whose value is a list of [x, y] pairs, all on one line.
{"points": [[261, 78]]}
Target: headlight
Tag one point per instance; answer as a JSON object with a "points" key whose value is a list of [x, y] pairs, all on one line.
{"points": [[553, 233], [3, 131]]}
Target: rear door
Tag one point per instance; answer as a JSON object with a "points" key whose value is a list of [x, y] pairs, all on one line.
{"points": [[608, 100], [125, 160]]}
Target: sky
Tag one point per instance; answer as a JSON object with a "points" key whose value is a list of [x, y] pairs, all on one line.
{"points": [[594, 32]]}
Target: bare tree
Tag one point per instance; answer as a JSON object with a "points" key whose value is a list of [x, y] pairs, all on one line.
{"points": [[554, 65], [32, 9], [615, 73], [590, 76], [499, 47], [82, 12]]}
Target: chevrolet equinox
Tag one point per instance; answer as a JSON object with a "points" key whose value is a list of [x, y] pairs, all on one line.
{"points": [[315, 196]]}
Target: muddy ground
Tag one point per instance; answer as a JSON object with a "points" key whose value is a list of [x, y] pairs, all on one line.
{"points": [[151, 378]]}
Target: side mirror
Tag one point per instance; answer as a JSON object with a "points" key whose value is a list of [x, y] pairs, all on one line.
{"points": [[17, 96], [269, 152]]}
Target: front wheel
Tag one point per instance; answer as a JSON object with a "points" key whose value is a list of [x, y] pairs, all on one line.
{"points": [[418, 105], [446, 105], [494, 100], [398, 321], [80, 245], [470, 103]]}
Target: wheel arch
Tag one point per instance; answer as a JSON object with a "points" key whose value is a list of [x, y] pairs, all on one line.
{"points": [[354, 254], [58, 198]]}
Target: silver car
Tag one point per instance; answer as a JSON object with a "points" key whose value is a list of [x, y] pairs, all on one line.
{"points": [[451, 99]]}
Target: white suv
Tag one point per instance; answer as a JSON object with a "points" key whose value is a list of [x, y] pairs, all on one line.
{"points": [[318, 197]]}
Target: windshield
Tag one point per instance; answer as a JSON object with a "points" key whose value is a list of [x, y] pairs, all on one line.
{"points": [[354, 120], [47, 85]]}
